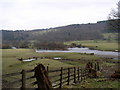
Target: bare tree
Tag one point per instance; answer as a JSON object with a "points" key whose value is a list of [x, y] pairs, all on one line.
{"points": [[114, 19]]}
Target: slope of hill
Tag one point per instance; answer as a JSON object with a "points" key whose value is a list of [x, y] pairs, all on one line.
{"points": [[90, 31]]}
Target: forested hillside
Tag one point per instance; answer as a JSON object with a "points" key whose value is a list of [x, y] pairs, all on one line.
{"points": [[21, 38]]}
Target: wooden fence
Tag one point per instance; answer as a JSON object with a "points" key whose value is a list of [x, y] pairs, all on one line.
{"points": [[67, 76], [58, 78], [20, 80]]}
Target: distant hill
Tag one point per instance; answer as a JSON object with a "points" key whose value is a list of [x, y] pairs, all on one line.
{"points": [[90, 31]]}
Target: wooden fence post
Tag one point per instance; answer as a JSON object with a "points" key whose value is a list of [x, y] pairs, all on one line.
{"points": [[81, 74], [43, 81], [48, 70], [98, 68], [95, 66], [78, 74], [23, 80], [84, 74], [74, 74], [61, 77], [68, 76]]}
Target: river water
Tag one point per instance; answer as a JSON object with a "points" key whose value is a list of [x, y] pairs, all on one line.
{"points": [[109, 54]]}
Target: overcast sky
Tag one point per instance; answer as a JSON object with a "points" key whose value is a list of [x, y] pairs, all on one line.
{"points": [[35, 14]]}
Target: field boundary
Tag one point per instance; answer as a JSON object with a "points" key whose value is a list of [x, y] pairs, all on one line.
{"points": [[58, 77]]}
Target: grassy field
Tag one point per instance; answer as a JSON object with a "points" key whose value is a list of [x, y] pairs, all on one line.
{"points": [[97, 44], [109, 42], [97, 83], [10, 62], [110, 36]]}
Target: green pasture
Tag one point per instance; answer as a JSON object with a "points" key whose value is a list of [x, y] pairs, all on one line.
{"points": [[108, 43], [97, 44], [72, 56], [10, 62]]}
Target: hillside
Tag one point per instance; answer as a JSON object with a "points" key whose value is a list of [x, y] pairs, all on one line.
{"points": [[90, 31]]}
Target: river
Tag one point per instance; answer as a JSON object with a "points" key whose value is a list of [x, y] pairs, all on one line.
{"points": [[109, 54]]}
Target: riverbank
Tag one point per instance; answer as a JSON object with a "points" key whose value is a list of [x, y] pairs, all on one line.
{"points": [[99, 53], [102, 45]]}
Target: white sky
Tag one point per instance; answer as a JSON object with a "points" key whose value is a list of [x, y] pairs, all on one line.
{"points": [[38, 14]]}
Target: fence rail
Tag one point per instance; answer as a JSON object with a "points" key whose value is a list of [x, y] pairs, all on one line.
{"points": [[21, 81], [58, 77], [67, 76]]}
